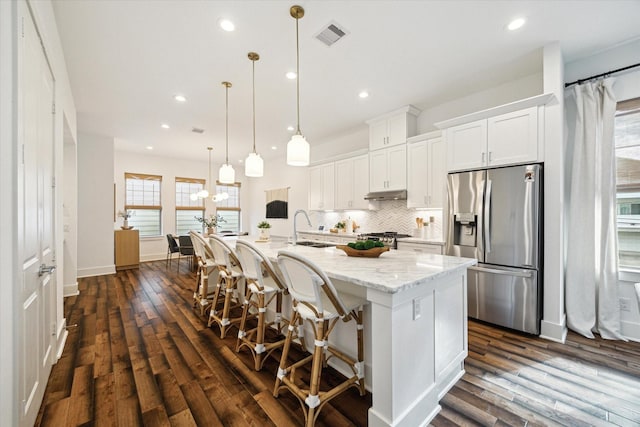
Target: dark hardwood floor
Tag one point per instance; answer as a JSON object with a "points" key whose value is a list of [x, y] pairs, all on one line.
{"points": [[137, 354]]}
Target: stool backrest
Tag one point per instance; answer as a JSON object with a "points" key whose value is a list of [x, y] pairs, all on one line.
{"points": [[306, 282], [223, 253], [201, 246], [255, 264]]}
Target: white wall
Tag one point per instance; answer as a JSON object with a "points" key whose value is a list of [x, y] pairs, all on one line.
{"points": [[627, 86], [154, 248], [277, 174], [70, 214], [95, 205]]}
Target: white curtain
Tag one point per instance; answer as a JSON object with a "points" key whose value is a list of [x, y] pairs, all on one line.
{"points": [[592, 250]]}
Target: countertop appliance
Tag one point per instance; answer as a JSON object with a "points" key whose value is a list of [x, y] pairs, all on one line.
{"points": [[389, 238], [495, 216]]}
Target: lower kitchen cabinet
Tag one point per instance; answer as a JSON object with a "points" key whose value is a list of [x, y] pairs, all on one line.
{"points": [[127, 249], [420, 247]]}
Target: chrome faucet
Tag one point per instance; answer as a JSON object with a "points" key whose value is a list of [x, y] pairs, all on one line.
{"points": [[295, 232]]}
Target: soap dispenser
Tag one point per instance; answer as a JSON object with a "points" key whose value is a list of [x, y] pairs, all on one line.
{"points": [[349, 227]]}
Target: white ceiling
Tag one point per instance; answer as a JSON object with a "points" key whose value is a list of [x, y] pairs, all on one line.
{"points": [[127, 58]]}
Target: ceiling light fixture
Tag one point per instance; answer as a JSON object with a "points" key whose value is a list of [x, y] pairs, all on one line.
{"points": [[363, 94], [227, 175], [180, 98], [149, 147], [273, 147], [254, 166], [290, 128], [298, 147], [203, 194], [227, 25], [516, 23], [165, 126], [291, 75]]}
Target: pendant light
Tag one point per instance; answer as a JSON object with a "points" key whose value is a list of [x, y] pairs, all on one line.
{"points": [[254, 165], [203, 194], [227, 175], [298, 147]]}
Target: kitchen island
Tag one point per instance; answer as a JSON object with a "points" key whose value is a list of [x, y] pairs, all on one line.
{"points": [[415, 325]]}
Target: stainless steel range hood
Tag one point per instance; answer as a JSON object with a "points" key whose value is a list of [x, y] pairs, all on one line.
{"points": [[387, 195]]}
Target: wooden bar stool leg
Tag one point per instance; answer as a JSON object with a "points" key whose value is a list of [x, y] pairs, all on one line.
{"points": [[216, 298], [227, 307], [360, 365], [260, 332], [243, 320], [313, 400], [282, 368]]}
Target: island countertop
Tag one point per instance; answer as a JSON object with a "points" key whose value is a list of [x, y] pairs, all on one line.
{"points": [[394, 271]]}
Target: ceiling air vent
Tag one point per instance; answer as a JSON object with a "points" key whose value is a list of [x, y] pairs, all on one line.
{"points": [[197, 130], [331, 33]]}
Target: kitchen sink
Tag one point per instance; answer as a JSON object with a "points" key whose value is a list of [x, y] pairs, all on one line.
{"points": [[315, 244]]}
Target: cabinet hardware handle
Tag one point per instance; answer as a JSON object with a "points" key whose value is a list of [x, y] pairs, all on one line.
{"points": [[489, 156]]}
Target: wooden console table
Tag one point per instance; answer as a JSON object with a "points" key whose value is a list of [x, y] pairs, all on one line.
{"points": [[127, 249]]}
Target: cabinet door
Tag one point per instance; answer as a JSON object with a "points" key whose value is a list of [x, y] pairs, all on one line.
{"points": [[417, 175], [467, 146], [360, 182], [378, 134], [397, 129], [513, 137], [344, 184], [328, 186], [378, 170], [397, 167], [437, 172]]}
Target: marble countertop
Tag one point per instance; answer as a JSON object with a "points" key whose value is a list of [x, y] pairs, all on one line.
{"points": [[394, 271], [327, 233]]}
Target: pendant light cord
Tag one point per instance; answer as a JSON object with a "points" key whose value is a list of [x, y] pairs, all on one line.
{"points": [[209, 148], [298, 77], [226, 129], [253, 62]]}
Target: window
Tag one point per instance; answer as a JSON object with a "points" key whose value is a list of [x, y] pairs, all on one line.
{"points": [[627, 140], [229, 208], [142, 198], [187, 209]]}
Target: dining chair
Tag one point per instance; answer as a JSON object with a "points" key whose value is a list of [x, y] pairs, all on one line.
{"points": [[262, 285], [186, 248], [206, 273], [172, 248], [316, 301], [229, 275]]}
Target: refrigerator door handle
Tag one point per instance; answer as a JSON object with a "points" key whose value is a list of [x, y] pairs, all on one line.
{"points": [[487, 218], [503, 272]]}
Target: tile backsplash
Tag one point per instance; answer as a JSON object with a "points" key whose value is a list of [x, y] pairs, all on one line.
{"points": [[391, 216]]}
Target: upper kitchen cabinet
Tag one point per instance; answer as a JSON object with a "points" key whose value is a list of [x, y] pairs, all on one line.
{"points": [[505, 135], [321, 187], [388, 169], [392, 128], [352, 182], [426, 171]]}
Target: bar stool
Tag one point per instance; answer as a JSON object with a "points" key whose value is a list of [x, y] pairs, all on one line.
{"points": [[262, 285], [229, 274], [207, 273], [316, 300]]}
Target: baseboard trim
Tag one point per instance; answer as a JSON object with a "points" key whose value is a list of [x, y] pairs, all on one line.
{"points": [[70, 289], [154, 257], [96, 271], [554, 331], [62, 335]]}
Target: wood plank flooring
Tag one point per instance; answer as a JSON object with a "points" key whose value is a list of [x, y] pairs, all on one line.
{"points": [[137, 354]]}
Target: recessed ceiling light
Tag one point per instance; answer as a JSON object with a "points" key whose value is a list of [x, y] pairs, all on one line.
{"points": [[240, 160], [180, 98], [363, 94], [273, 147], [291, 75], [227, 25], [290, 128], [149, 147], [164, 126], [516, 23]]}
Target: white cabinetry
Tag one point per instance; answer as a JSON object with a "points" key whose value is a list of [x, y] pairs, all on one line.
{"points": [[504, 135], [388, 169], [352, 182], [426, 172], [393, 128], [321, 187], [424, 248], [497, 141]]}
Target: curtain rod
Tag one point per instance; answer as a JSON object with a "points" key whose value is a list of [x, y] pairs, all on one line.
{"points": [[580, 81]]}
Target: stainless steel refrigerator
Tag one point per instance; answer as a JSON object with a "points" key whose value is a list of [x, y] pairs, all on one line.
{"points": [[495, 216]]}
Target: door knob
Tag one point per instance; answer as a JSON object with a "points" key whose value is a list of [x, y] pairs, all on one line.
{"points": [[44, 269]]}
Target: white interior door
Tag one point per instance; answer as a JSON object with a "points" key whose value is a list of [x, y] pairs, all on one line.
{"points": [[36, 247]]}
